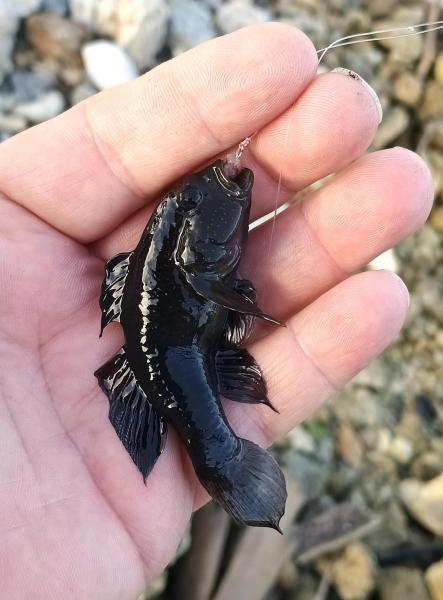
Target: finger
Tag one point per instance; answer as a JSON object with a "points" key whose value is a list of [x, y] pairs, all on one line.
{"points": [[303, 143], [331, 125], [90, 168], [369, 207], [321, 349]]}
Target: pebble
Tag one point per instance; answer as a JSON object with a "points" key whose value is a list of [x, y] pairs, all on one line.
{"points": [[427, 466], [44, 107], [56, 38], [58, 7], [191, 24], [400, 583], [348, 444], [12, 123], [425, 502], [438, 69], [239, 13], [395, 122], [437, 219], [401, 450], [139, 26], [27, 85], [353, 574], [434, 579], [82, 91], [385, 261], [431, 106], [301, 440], [408, 88], [107, 64]]}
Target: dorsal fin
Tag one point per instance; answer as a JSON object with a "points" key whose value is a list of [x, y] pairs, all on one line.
{"points": [[113, 285]]}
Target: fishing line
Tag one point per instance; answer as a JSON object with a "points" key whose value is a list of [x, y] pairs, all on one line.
{"points": [[357, 38]]}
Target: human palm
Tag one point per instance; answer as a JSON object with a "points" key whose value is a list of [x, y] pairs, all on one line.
{"points": [[76, 520]]}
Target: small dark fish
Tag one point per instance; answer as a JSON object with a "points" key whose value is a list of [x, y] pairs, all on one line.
{"points": [[184, 314]]}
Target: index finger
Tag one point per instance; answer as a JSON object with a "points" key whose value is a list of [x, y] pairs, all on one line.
{"points": [[87, 170]]}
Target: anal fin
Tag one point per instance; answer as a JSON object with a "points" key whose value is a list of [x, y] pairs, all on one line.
{"points": [[240, 377], [138, 425]]}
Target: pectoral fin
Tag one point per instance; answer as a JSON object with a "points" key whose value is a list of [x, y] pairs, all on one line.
{"points": [[239, 325], [240, 377], [220, 293], [138, 425], [113, 285]]}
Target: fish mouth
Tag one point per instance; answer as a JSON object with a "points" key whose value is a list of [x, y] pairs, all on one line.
{"points": [[239, 184]]}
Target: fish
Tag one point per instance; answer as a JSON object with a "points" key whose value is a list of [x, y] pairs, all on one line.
{"points": [[185, 315]]}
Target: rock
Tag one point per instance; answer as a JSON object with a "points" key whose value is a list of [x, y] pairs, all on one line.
{"points": [[11, 11], [407, 49], [56, 38], [309, 471], [393, 530], [431, 106], [427, 466], [434, 160], [107, 64], [82, 91], [239, 13], [11, 124], [437, 219], [295, 15], [399, 583], [395, 122], [359, 408], [139, 26], [288, 575], [353, 574], [408, 88], [425, 502], [191, 24], [434, 579], [44, 107], [58, 7], [348, 444], [401, 450], [27, 85], [380, 8], [438, 69], [301, 440], [431, 296], [385, 261]]}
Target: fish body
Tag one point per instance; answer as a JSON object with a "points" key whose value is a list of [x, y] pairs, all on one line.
{"points": [[184, 313]]}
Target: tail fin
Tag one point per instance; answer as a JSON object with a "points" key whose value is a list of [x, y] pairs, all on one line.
{"points": [[251, 487]]}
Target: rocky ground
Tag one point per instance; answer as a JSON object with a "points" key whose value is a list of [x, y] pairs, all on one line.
{"points": [[379, 447]]}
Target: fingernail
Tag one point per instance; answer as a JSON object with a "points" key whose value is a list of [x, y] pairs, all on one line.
{"points": [[403, 287], [366, 85]]}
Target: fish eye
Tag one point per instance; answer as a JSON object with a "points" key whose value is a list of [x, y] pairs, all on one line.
{"points": [[190, 198]]}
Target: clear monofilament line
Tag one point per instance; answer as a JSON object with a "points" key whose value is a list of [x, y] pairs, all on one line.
{"points": [[377, 35]]}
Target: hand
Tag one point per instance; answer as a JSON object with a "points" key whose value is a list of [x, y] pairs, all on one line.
{"points": [[76, 520]]}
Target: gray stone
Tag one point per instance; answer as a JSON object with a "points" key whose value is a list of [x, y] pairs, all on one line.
{"points": [[44, 107], [58, 7], [236, 14], [394, 123], [11, 124], [27, 85], [191, 24], [82, 91]]}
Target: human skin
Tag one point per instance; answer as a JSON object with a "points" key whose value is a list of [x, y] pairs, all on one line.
{"points": [[76, 520]]}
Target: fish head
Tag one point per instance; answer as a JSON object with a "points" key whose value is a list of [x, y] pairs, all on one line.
{"points": [[215, 212]]}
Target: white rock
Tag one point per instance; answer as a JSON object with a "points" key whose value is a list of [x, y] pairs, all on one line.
{"points": [[386, 261], [191, 24], [139, 26], [238, 13], [12, 123], [107, 64], [44, 107], [425, 502]]}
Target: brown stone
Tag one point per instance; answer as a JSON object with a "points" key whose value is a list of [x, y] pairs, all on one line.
{"points": [[434, 579], [408, 88], [348, 444], [56, 38]]}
